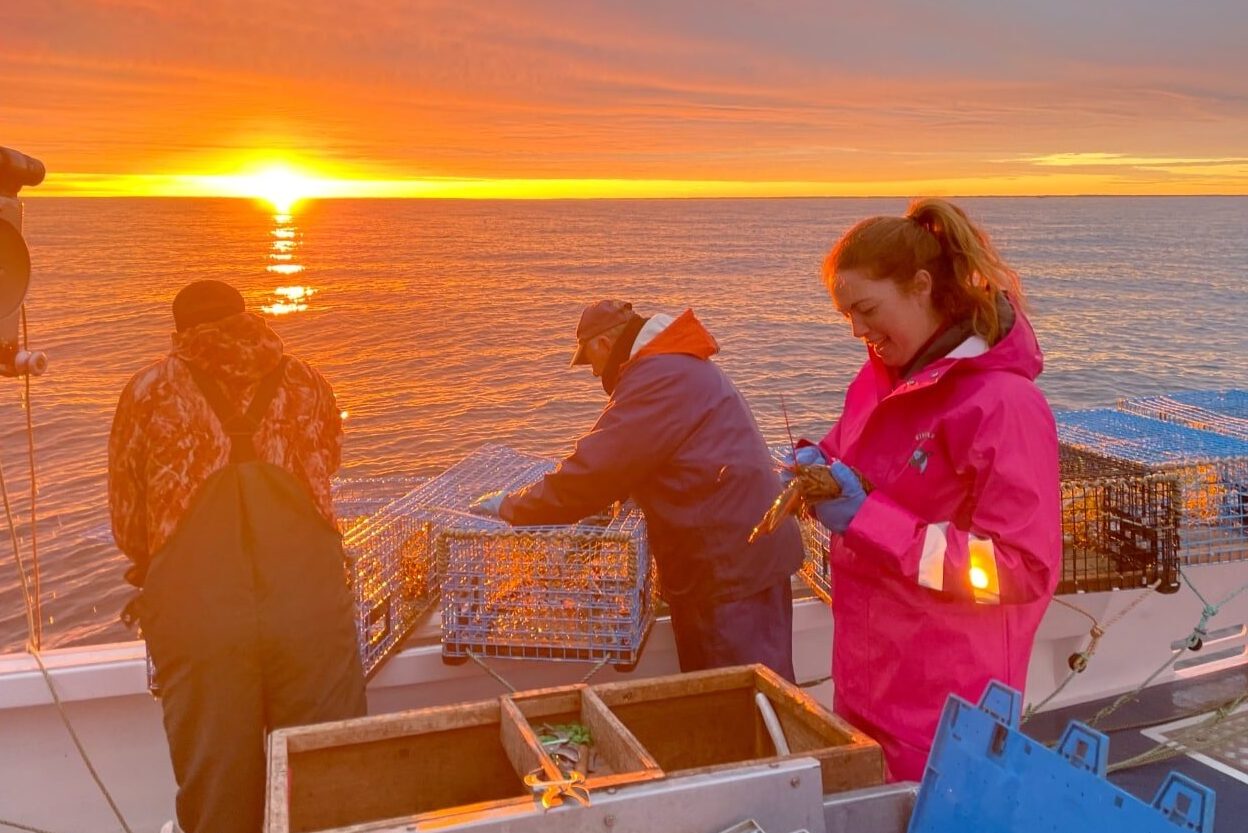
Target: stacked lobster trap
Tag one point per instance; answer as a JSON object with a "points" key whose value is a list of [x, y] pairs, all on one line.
{"points": [[585, 591], [1118, 532], [392, 553], [1209, 473]]}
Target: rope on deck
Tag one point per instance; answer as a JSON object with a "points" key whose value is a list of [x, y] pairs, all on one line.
{"points": [[481, 662], [27, 827], [1194, 639], [33, 613], [1172, 748], [1079, 661]]}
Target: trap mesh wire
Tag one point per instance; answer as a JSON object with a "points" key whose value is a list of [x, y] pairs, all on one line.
{"points": [[578, 592], [1222, 412], [392, 552], [584, 592], [1119, 533], [355, 498], [816, 572], [1211, 471]]}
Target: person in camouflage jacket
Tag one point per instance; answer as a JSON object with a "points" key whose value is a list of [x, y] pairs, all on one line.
{"points": [[166, 442], [219, 465]]}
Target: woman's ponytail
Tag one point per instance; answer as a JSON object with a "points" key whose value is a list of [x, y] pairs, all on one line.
{"points": [[968, 274]]}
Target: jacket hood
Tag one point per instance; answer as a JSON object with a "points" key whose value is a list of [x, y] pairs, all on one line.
{"points": [[237, 350], [1017, 352], [663, 335]]}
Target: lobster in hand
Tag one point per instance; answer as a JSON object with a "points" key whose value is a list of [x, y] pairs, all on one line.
{"points": [[810, 484]]}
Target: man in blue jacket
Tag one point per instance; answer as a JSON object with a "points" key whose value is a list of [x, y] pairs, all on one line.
{"points": [[678, 437]]}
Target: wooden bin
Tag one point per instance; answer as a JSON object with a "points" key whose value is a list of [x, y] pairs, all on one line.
{"points": [[709, 720], [619, 758], [415, 766]]}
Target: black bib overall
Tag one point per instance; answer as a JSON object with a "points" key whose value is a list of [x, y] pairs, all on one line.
{"points": [[248, 620]]}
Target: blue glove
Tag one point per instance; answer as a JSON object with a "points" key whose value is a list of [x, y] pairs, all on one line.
{"points": [[488, 504], [807, 455], [837, 513]]}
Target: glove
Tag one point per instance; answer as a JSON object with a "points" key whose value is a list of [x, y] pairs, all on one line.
{"points": [[807, 455], [488, 504], [837, 513]]}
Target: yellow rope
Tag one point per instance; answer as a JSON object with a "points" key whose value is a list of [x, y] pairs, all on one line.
{"points": [[1172, 748]]}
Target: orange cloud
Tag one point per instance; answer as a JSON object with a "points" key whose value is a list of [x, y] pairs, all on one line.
{"points": [[799, 97]]}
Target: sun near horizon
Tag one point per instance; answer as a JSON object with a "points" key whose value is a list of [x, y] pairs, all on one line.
{"points": [[284, 184]]}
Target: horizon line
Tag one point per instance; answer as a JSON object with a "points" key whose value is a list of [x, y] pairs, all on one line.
{"points": [[572, 198]]}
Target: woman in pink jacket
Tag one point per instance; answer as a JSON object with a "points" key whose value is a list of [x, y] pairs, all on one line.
{"points": [[946, 541]]}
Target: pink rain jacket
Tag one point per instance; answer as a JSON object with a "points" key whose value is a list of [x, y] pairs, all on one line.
{"points": [[940, 581]]}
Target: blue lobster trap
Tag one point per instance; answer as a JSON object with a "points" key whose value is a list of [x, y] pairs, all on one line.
{"points": [[1211, 471], [987, 776], [1220, 411]]}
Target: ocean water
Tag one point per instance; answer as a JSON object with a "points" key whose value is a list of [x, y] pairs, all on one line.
{"points": [[444, 325]]}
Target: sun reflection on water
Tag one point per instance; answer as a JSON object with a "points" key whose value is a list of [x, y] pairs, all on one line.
{"points": [[282, 261]]}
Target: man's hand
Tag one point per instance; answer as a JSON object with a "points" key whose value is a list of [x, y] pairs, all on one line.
{"points": [[488, 504]]}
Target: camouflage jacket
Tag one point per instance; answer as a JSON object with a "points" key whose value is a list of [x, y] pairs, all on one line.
{"points": [[166, 441]]}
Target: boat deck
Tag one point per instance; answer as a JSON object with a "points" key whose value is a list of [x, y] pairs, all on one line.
{"points": [[1169, 711]]}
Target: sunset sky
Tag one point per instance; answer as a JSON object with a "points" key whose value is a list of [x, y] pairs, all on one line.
{"points": [[628, 98]]}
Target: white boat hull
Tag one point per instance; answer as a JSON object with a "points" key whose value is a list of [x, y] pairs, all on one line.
{"points": [[103, 692]]}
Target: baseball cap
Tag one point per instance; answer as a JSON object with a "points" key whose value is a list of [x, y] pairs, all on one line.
{"points": [[597, 318]]}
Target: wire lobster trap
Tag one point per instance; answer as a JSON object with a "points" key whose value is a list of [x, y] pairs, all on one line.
{"points": [[585, 592], [1211, 471], [356, 498], [1222, 412], [392, 552], [1120, 533]]}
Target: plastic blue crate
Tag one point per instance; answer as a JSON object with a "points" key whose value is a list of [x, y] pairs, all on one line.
{"points": [[1221, 411], [985, 775]]}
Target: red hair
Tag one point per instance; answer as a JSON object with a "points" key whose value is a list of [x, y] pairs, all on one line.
{"points": [[968, 274]]}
